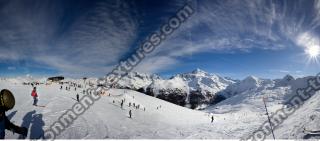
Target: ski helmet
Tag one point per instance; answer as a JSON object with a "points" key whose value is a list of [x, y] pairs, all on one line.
{"points": [[7, 100]]}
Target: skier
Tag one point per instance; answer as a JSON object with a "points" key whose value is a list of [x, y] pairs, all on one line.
{"points": [[35, 96], [130, 113], [212, 118], [144, 109], [129, 104], [121, 104], [78, 97], [7, 103], [61, 87]]}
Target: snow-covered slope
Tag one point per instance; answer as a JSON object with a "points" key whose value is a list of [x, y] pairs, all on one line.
{"points": [[235, 117], [199, 80], [246, 102], [135, 80], [104, 119], [251, 83], [171, 84]]}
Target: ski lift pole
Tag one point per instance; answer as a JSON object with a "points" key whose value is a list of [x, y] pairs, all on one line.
{"points": [[265, 105]]}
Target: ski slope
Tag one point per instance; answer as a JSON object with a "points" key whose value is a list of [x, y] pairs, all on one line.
{"points": [[104, 119], [234, 118]]}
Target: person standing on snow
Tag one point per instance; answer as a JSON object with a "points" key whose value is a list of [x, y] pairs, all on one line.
{"points": [[35, 96], [121, 104], [212, 118], [78, 97], [7, 102], [130, 114]]}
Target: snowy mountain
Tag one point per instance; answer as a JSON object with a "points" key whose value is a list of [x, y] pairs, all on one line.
{"points": [[199, 80], [245, 102], [174, 90], [251, 83], [136, 80], [188, 89]]}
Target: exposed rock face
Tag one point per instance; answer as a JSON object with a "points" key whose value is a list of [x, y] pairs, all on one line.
{"points": [[188, 89]]}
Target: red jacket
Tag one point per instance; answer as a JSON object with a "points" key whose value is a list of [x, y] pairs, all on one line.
{"points": [[34, 93]]}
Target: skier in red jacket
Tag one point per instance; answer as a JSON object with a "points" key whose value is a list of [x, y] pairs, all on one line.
{"points": [[35, 96]]}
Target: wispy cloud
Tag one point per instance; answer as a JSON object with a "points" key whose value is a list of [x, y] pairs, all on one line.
{"points": [[229, 26], [81, 39], [88, 42]]}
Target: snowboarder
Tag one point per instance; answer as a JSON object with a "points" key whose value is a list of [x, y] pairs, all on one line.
{"points": [[35, 96], [212, 118], [78, 97], [130, 113], [7, 103]]}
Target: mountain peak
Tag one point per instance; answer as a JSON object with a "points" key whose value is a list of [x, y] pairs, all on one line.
{"points": [[198, 71], [251, 77], [288, 77]]}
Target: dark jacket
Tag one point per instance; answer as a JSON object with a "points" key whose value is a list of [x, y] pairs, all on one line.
{"points": [[6, 124]]}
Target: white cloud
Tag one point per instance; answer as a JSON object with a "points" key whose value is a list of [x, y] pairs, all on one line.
{"points": [[87, 43], [11, 68], [307, 40]]}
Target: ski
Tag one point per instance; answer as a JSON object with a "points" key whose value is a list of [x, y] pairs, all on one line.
{"points": [[40, 106]]}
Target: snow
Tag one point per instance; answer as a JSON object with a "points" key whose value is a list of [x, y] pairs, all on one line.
{"points": [[174, 83], [136, 80], [104, 119], [201, 80], [235, 117]]}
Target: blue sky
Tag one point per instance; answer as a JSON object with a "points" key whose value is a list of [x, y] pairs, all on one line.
{"points": [[234, 38]]}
